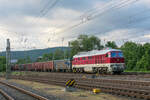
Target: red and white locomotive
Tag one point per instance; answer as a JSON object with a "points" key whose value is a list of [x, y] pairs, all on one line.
{"points": [[108, 60]]}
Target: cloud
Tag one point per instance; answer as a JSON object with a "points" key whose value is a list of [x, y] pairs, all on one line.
{"points": [[21, 22]]}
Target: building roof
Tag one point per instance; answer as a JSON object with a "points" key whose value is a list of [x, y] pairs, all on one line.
{"points": [[94, 52]]}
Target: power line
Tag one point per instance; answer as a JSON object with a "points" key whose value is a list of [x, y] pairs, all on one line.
{"points": [[87, 13], [76, 25], [44, 12], [114, 6], [50, 4], [90, 11], [95, 16], [133, 16]]}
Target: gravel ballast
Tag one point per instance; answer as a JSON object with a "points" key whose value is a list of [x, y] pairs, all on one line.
{"points": [[17, 96], [2, 97]]}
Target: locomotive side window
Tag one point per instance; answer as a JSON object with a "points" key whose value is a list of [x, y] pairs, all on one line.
{"points": [[89, 57], [83, 58]]}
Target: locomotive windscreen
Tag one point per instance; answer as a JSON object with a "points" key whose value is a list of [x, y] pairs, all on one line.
{"points": [[120, 54], [116, 54]]}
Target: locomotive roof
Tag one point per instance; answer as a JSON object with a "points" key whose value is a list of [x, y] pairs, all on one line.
{"points": [[94, 52]]}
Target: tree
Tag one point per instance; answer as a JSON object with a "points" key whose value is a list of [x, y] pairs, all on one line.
{"points": [[111, 44], [67, 54], [24, 60], [47, 57], [144, 63], [130, 51], [75, 47], [21, 61], [28, 59], [146, 46], [58, 54], [85, 43], [2, 63]]}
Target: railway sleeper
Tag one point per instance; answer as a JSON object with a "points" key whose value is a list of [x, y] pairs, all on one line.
{"points": [[147, 97]]}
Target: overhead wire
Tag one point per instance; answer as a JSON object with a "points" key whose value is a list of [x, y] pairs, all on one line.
{"points": [[44, 11], [119, 5], [132, 19], [50, 4], [88, 13], [137, 21], [95, 16]]}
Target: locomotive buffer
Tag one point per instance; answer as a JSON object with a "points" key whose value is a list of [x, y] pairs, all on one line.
{"points": [[69, 85]]}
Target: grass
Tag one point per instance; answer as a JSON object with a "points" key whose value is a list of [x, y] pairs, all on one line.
{"points": [[18, 73], [13, 73], [137, 71], [2, 73]]}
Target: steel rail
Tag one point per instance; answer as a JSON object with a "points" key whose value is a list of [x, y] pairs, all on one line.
{"points": [[24, 91], [128, 90], [6, 95]]}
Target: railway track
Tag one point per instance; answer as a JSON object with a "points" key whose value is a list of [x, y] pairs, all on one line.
{"points": [[5, 96], [123, 76], [135, 89], [91, 75], [17, 93]]}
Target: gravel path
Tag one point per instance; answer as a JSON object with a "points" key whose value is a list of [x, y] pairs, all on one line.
{"points": [[58, 91], [50, 97]]}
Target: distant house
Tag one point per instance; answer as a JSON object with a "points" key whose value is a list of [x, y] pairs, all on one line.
{"points": [[13, 61]]}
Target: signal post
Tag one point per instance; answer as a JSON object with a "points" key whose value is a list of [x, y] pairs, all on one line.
{"points": [[8, 59]]}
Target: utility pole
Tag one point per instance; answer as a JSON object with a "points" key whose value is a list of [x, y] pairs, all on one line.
{"points": [[8, 59], [69, 50], [62, 46], [104, 43]]}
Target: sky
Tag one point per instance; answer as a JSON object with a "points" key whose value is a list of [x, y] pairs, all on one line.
{"points": [[38, 24]]}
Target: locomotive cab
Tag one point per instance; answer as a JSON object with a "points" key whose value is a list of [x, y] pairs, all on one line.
{"points": [[116, 61]]}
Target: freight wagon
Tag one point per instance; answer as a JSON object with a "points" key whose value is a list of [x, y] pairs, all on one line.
{"points": [[62, 65]]}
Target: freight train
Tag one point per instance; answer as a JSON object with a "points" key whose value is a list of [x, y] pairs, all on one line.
{"points": [[96, 61]]}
